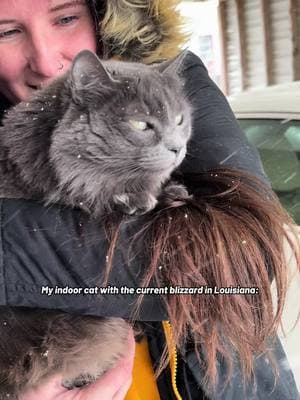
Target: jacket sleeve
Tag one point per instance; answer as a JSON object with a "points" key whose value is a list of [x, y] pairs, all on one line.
{"points": [[265, 383], [54, 258], [217, 139]]}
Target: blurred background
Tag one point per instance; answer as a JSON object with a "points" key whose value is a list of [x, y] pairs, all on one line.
{"points": [[246, 44], [251, 49]]}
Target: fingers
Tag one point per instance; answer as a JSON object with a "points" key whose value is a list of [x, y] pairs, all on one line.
{"points": [[114, 384], [48, 390], [121, 393]]}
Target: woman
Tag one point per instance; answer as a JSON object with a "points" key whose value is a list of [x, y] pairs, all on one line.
{"points": [[43, 248]]}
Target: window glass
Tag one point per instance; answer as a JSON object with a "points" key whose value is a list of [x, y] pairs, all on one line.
{"points": [[278, 142]]}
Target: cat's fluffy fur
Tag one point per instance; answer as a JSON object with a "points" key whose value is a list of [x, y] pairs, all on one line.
{"points": [[105, 136], [37, 344], [75, 142]]}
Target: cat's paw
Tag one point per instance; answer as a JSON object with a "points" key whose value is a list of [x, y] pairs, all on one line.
{"points": [[175, 191], [135, 204]]}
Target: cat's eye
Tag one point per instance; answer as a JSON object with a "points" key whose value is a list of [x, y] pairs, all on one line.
{"points": [[140, 125], [179, 119]]}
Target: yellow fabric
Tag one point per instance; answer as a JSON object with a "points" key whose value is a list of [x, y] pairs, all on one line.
{"points": [[173, 356], [143, 385]]}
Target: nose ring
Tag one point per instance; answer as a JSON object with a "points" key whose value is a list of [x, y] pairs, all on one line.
{"points": [[60, 66]]}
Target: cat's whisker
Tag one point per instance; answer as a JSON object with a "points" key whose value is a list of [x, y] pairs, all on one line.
{"points": [[116, 158], [190, 155]]}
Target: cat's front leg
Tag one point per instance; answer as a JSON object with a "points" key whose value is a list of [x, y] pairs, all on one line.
{"points": [[135, 203], [143, 202]]}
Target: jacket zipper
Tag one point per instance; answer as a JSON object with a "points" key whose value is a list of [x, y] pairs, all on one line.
{"points": [[173, 357]]}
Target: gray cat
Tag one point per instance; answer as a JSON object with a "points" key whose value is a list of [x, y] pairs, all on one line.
{"points": [[104, 137], [106, 134]]}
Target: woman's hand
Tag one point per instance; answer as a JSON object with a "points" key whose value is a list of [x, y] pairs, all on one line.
{"points": [[113, 385]]}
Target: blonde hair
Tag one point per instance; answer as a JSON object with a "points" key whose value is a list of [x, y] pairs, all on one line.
{"points": [[142, 30]]}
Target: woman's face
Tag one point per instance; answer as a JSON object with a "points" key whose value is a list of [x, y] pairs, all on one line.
{"points": [[38, 40]]}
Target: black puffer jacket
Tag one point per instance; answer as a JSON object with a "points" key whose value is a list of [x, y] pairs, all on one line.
{"points": [[53, 247]]}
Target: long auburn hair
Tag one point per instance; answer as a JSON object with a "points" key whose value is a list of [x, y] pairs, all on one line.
{"points": [[231, 232]]}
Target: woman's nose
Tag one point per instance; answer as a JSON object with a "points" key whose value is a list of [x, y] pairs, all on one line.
{"points": [[45, 59]]}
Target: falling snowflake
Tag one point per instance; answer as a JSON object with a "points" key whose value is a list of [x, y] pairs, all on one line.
{"points": [[45, 354]]}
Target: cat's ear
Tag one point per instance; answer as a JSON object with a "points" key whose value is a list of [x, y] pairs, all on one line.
{"points": [[173, 66], [87, 67]]}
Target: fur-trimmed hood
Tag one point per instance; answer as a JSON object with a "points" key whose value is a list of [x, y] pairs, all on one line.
{"points": [[141, 30]]}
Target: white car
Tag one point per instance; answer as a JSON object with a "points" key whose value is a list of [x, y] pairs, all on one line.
{"points": [[271, 119]]}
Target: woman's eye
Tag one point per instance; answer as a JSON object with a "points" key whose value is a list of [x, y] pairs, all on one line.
{"points": [[8, 34], [140, 125], [179, 119], [68, 20]]}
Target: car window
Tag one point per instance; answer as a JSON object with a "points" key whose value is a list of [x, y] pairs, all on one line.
{"points": [[278, 142]]}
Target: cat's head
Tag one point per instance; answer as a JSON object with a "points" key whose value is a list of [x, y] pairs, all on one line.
{"points": [[126, 117]]}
